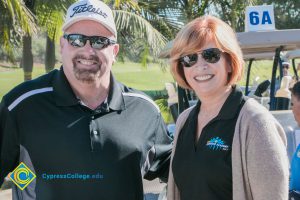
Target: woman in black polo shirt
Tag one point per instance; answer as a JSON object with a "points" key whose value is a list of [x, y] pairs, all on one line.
{"points": [[226, 146]]}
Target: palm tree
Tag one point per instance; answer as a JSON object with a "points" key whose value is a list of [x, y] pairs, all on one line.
{"points": [[50, 15], [233, 12], [287, 15], [15, 21], [139, 28]]}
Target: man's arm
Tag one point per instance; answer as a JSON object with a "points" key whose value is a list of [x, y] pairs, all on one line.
{"points": [[9, 142], [160, 154]]}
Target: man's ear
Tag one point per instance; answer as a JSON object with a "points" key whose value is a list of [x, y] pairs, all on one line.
{"points": [[115, 52], [61, 44]]}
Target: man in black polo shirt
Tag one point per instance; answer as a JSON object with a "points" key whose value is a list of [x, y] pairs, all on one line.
{"points": [[83, 134]]}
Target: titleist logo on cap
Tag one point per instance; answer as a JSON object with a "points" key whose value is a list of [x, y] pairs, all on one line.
{"points": [[90, 8]]}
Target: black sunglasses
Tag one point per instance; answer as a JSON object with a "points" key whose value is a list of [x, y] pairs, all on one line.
{"points": [[211, 55], [97, 42]]}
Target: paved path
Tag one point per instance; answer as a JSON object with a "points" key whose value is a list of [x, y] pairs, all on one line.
{"points": [[5, 195], [152, 189]]}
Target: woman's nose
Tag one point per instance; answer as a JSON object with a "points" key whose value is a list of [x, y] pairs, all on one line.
{"points": [[201, 63]]}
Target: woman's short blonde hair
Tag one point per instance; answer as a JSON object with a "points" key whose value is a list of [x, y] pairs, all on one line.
{"points": [[193, 37]]}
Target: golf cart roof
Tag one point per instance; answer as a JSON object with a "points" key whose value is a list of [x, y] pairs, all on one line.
{"points": [[263, 43], [259, 56], [292, 54], [268, 41]]}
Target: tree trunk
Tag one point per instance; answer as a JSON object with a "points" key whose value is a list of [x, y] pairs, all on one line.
{"points": [[233, 14], [50, 55], [27, 58]]}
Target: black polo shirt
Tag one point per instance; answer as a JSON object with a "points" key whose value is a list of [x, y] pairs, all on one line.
{"points": [[79, 153], [204, 170]]}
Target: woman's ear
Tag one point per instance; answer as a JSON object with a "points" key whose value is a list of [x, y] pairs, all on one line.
{"points": [[228, 63], [228, 68]]}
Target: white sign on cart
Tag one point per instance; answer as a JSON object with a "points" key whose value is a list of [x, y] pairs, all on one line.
{"points": [[259, 18]]}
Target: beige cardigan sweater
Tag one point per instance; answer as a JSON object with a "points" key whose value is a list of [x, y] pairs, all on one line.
{"points": [[260, 166]]}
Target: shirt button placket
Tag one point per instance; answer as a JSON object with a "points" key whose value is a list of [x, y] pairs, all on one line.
{"points": [[94, 135], [95, 132]]}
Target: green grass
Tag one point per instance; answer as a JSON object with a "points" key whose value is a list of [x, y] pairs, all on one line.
{"points": [[133, 75], [11, 77]]}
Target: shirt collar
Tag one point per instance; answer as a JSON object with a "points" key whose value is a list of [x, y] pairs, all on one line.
{"points": [[64, 95], [115, 98], [232, 104], [230, 107]]}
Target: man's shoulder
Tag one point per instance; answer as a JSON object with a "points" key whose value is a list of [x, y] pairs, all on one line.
{"points": [[139, 97], [28, 88]]}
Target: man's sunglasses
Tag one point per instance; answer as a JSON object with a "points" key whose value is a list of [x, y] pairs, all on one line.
{"points": [[211, 55], [97, 42]]}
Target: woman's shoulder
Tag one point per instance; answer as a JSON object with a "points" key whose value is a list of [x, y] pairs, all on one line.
{"points": [[256, 123], [257, 117], [254, 111], [184, 115]]}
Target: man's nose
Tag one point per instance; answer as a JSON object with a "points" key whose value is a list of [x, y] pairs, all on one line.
{"points": [[88, 46]]}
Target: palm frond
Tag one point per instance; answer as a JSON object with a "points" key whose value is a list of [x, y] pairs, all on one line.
{"points": [[126, 5], [15, 21], [51, 22], [137, 26], [50, 15], [21, 16]]}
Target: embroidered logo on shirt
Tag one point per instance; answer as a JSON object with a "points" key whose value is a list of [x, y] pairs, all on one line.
{"points": [[298, 154], [217, 143]]}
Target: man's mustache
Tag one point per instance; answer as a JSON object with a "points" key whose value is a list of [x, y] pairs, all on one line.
{"points": [[90, 58]]}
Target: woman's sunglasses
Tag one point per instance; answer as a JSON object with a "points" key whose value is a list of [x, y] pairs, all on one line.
{"points": [[211, 55], [97, 42]]}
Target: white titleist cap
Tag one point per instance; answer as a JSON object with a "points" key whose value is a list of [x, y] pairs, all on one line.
{"points": [[94, 10]]}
